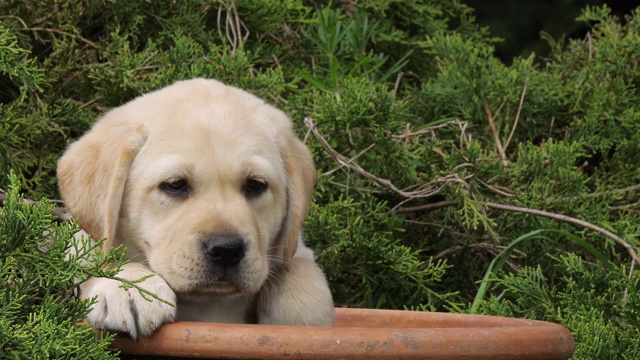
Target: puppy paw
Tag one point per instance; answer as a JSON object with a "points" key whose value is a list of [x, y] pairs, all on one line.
{"points": [[128, 311]]}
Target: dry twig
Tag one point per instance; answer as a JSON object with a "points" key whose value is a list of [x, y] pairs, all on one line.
{"points": [[571, 220], [437, 205], [420, 191], [626, 207], [492, 248], [492, 125], [428, 129], [611, 194], [233, 26], [614, 192], [564, 218], [433, 187], [515, 123]]}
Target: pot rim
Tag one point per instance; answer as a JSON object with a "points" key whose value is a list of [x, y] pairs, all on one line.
{"points": [[362, 334]]}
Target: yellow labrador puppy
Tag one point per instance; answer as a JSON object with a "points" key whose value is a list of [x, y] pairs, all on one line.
{"points": [[207, 187]]}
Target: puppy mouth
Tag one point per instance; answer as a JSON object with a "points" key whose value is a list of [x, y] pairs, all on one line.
{"points": [[219, 287], [213, 288], [204, 294]]}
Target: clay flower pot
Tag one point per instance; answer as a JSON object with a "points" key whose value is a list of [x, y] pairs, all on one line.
{"points": [[363, 334]]}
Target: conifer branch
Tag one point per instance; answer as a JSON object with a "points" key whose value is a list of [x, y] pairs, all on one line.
{"points": [[49, 30], [144, 293], [61, 214]]}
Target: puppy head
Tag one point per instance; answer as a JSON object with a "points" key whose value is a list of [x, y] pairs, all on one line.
{"points": [[204, 182]]}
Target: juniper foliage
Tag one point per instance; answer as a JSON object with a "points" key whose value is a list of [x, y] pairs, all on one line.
{"points": [[40, 316], [431, 153]]}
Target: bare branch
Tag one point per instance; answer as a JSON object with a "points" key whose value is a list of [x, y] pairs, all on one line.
{"points": [[614, 192], [492, 248], [626, 290], [610, 194], [433, 187], [432, 206], [421, 191], [626, 207], [515, 123], [506, 192], [352, 159], [630, 249], [397, 83], [492, 125], [428, 129]]}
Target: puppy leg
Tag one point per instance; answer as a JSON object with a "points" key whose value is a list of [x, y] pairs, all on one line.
{"points": [[127, 311], [299, 296]]}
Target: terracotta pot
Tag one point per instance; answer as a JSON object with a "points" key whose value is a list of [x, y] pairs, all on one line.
{"points": [[363, 334]]}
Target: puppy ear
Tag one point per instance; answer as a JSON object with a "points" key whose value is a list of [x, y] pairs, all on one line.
{"points": [[93, 171], [302, 179]]}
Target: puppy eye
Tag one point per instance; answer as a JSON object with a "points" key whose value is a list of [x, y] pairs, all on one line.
{"points": [[175, 187], [254, 187]]}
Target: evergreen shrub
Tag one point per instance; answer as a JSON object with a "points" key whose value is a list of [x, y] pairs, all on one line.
{"points": [[447, 180], [40, 315]]}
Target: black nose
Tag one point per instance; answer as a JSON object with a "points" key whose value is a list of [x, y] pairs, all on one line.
{"points": [[225, 251]]}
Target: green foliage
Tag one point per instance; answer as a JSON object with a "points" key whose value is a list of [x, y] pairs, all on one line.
{"points": [[363, 265], [600, 307], [416, 128], [342, 48], [24, 74], [498, 262], [39, 316]]}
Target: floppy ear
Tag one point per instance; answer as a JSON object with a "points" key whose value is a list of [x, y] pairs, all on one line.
{"points": [[302, 179], [93, 171]]}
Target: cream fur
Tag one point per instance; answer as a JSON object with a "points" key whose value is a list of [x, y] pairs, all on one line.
{"points": [[217, 139]]}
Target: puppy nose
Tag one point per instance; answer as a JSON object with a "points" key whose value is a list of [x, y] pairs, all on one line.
{"points": [[225, 251]]}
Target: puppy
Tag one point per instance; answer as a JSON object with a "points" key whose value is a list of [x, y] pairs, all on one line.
{"points": [[207, 187]]}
